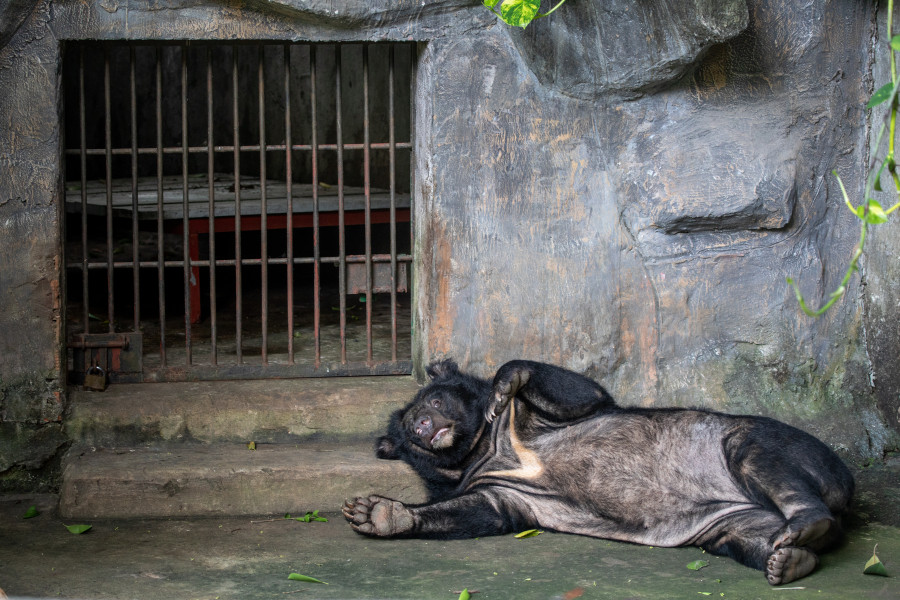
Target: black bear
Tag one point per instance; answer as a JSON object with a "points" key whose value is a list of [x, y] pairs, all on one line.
{"points": [[545, 447]]}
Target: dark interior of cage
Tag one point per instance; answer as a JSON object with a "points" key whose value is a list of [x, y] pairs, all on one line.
{"points": [[240, 204]]}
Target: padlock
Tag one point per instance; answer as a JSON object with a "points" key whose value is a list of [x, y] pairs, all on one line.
{"points": [[95, 379]]}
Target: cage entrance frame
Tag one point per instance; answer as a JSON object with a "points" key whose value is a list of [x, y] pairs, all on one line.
{"points": [[238, 210]]}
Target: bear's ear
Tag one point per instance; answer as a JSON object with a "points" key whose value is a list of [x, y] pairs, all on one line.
{"points": [[386, 448], [441, 369]]}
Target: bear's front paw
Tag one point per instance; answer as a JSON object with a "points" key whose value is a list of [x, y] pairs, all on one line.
{"points": [[377, 516], [508, 381], [498, 404]]}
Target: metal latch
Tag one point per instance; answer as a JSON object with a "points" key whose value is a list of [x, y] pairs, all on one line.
{"points": [[95, 379], [119, 356]]}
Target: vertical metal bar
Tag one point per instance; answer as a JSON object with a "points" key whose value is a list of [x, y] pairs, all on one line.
{"points": [[290, 202], [85, 300], [185, 221], [414, 67], [392, 157], [211, 167], [160, 231], [264, 234], [317, 308], [238, 283], [135, 242], [367, 191], [342, 252], [109, 207]]}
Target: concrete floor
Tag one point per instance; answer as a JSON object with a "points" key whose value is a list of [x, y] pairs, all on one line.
{"points": [[240, 558]]}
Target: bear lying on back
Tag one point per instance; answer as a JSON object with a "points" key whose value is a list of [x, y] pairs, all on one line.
{"points": [[545, 447]]}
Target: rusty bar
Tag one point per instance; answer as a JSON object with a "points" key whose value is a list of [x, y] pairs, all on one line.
{"points": [[211, 167], [290, 202], [238, 286], [275, 371], [230, 148], [109, 212], [135, 242], [413, 59], [392, 159], [85, 344], [367, 192], [188, 275], [317, 308], [84, 241], [350, 259], [160, 231], [264, 234], [342, 251]]}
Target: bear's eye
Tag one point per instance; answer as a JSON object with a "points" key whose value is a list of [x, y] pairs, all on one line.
{"points": [[436, 402]]}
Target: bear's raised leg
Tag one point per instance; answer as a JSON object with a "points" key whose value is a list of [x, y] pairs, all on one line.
{"points": [[748, 537], [558, 394], [798, 476]]}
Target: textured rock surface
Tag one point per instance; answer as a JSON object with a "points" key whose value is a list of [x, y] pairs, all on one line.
{"points": [[647, 242], [593, 49]]}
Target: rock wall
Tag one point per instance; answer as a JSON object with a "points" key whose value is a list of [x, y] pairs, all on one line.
{"points": [[621, 188], [881, 268], [31, 392], [642, 231]]}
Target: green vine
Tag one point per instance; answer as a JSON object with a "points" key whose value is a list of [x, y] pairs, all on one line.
{"points": [[871, 211], [519, 13]]}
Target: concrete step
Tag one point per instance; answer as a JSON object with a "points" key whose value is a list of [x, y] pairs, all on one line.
{"points": [[273, 411], [206, 480]]}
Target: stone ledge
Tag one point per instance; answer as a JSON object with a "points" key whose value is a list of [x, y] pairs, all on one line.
{"points": [[187, 480], [275, 411]]}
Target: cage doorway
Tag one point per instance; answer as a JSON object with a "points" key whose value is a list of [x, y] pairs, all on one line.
{"points": [[238, 210]]}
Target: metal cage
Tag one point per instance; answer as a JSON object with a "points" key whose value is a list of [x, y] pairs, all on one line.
{"points": [[238, 210]]}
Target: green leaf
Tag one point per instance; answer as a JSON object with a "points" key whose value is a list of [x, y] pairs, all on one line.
{"points": [[529, 533], [464, 595], [875, 566], [78, 529], [519, 13], [876, 214], [491, 3], [880, 95], [310, 516], [697, 565], [306, 578], [895, 42], [31, 513], [877, 186]]}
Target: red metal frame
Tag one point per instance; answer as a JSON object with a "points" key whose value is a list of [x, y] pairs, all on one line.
{"points": [[198, 227]]}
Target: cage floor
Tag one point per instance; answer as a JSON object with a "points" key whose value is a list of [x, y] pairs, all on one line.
{"points": [[278, 340]]}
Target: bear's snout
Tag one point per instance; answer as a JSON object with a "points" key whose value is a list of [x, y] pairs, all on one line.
{"points": [[424, 426]]}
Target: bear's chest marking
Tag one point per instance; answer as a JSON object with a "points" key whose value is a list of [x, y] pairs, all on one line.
{"points": [[530, 465]]}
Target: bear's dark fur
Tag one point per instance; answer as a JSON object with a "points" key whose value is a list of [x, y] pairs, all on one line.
{"points": [[545, 447]]}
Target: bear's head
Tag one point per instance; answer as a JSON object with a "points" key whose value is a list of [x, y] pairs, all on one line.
{"points": [[439, 426]]}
